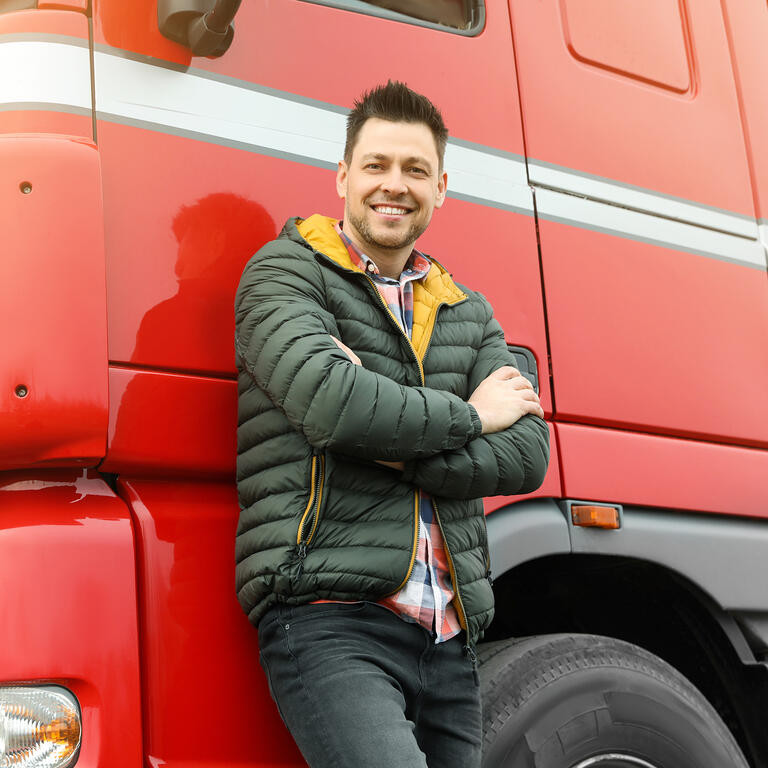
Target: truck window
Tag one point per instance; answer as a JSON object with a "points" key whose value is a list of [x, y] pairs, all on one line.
{"points": [[465, 17]]}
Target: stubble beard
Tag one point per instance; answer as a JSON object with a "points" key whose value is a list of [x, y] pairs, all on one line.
{"points": [[396, 242]]}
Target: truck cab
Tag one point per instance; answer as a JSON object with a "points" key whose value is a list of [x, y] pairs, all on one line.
{"points": [[607, 192]]}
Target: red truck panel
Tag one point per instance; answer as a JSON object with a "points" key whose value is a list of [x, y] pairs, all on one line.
{"points": [[594, 117], [206, 701], [654, 471], [181, 220], [53, 26], [165, 424], [68, 604], [53, 383], [656, 339]]}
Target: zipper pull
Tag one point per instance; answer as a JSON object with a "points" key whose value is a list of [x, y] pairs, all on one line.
{"points": [[489, 577], [302, 553]]}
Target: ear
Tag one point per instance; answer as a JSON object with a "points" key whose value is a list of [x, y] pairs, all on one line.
{"points": [[341, 180], [442, 186]]}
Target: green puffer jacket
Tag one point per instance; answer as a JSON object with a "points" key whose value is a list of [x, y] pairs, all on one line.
{"points": [[320, 520]]}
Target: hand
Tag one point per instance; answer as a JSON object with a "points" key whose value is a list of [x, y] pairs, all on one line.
{"points": [[349, 353], [504, 397], [400, 465]]}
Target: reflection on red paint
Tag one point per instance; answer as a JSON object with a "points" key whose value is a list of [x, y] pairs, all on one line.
{"points": [[215, 237]]}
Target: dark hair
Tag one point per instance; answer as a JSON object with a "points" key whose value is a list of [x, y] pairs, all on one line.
{"points": [[395, 102]]}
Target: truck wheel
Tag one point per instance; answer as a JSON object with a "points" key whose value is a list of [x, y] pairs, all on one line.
{"points": [[583, 701]]}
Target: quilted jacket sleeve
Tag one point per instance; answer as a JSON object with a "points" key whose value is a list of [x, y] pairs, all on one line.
{"points": [[283, 341], [503, 463]]}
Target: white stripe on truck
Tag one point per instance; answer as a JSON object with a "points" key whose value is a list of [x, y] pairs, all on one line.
{"points": [[54, 73]]}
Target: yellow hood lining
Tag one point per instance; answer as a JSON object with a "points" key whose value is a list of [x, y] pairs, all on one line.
{"points": [[436, 288]]}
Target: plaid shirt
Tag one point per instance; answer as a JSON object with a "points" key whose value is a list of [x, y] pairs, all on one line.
{"points": [[426, 597]]}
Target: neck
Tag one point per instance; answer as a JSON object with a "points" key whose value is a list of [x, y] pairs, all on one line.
{"points": [[390, 262]]}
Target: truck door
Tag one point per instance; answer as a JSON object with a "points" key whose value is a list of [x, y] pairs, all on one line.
{"points": [[653, 273], [203, 160]]}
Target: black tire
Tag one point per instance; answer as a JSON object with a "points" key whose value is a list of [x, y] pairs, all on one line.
{"points": [[583, 701]]}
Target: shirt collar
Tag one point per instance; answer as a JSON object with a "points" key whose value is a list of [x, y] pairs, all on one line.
{"points": [[415, 268]]}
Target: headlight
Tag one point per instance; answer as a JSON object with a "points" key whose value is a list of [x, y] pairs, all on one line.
{"points": [[39, 727]]}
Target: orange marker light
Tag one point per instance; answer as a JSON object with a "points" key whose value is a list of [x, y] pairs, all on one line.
{"points": [[595, 517]]}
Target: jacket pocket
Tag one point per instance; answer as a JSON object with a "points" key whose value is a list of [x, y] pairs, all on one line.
{"points": [[311, 515]]}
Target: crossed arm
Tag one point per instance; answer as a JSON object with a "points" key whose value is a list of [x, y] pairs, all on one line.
{"points": [[495, 443], [512, 452]]}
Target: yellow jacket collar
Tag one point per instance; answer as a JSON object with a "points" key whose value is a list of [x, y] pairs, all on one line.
{"points": [[319, 231]]}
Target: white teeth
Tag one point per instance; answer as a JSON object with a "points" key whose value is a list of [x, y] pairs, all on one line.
{"points": [[389, 210]]}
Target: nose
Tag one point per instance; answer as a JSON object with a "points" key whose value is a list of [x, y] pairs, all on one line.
{"points": [[394, 183]]}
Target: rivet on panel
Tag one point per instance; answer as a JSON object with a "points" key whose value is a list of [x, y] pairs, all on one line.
{"points": [[25, 187], [21, 391]]}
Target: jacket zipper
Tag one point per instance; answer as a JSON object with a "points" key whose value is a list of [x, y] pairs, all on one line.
{"points": [[399, 328], [416, 491], [311, 515], [469, 648], [452, 570], [414, 546]]}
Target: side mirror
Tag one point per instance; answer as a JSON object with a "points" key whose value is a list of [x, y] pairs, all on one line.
{"points": [[203, 26]]}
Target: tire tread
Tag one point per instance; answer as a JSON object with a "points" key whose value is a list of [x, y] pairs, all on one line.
{"points": [[538, 661]]}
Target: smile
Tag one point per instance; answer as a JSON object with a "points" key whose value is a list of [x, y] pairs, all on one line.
{"points": [[390, 210]]}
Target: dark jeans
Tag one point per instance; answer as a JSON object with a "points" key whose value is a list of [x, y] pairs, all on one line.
{"points": [[359, 687]]}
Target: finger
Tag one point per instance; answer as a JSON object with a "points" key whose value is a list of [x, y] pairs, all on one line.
{"points": [[343, 347], [505, 372], [526, 394], [520, 382], [347, 351], [530, 405], [535, 408]]}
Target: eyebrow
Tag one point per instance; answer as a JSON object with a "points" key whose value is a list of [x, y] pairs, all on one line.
{"points": [[381, 156]]}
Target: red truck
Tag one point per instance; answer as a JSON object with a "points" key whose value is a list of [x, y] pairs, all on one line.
{"points": [[608, 185]]}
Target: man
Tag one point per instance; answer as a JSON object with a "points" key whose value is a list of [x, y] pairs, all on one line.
{"points": [[377, 405]]}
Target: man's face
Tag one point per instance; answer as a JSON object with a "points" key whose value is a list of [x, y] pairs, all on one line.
{"points": [[391, 185]]}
